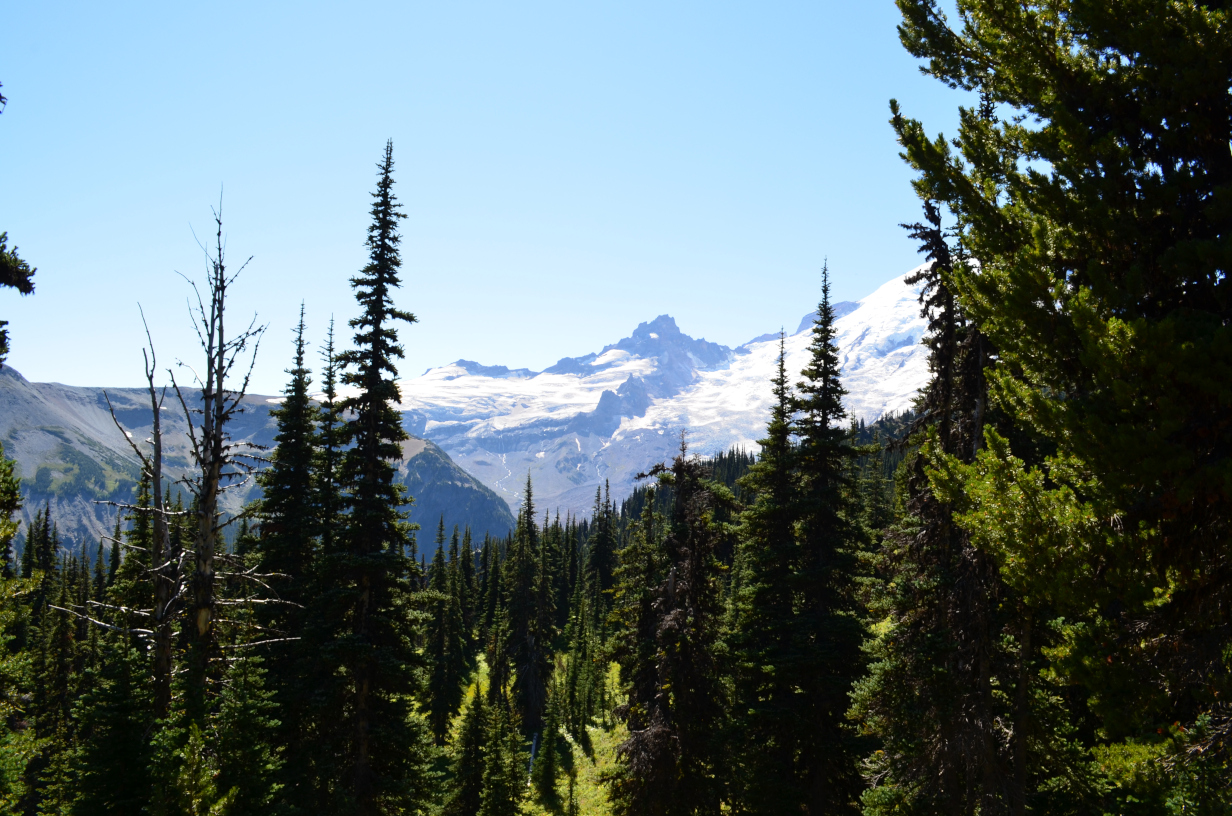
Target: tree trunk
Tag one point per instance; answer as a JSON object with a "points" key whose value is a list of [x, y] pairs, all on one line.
{"points": [[164, 564]]}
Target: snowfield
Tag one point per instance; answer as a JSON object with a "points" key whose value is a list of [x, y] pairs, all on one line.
{"points": [[605, 417], [883, 367]]}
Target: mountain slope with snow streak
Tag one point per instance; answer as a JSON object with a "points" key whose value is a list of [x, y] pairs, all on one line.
{"points": [[605, 417]]}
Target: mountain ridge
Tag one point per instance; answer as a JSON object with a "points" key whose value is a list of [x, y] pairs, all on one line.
{"points": [[73, 459], [609, 415], [578, 425]]}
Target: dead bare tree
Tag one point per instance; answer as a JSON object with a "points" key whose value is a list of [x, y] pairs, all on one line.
{"points": [[221, 463], [166, 561]]}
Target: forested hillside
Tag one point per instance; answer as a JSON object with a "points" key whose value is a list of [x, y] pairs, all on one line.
{"points": [[1013, 598]]}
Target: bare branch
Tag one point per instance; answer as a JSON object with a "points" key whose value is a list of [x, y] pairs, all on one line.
{"points": [[261, 643], [82, 616]]}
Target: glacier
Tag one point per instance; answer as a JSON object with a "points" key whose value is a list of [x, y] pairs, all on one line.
{"points": [[605, 417]]}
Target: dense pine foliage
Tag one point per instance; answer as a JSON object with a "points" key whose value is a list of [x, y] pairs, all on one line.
{"points": [[1012, 599]]}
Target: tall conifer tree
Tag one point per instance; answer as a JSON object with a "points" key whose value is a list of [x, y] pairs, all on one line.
{"points": [[290, 521], [827, 629], [769, 679], [469, 760], [288, 510], [385, 748], [329, 452], [528, 641], [1102, 239], [674, 760]]}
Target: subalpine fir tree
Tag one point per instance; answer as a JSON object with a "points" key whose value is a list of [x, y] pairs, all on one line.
{"points": [[529, 631], [468, 760], [764, 639], [54, 683], [31, 546], [931, 694], [113, 555], [580, 688], [497, 656], [459, 659], [544, 623], [673, 761], [1101, 238], [493, 586], [247, 731], [113, 721], [288, 510], [10, 503], [286, 551], [17, 273], [827, 629], [635, 648], [133, 586], [546, 762], [382, 768], [601, 553], [98, 579], [556, 539], [329, 450], [444, 646], [504, 768], [468, 592]]}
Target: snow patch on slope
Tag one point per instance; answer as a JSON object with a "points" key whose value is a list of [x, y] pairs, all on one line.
{"points": [[608, 415], [883, 367]]}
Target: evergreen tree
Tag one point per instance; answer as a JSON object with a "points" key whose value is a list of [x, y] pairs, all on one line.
{"points": [[635, 619], [249, 740], [601, 556], [10, 503], [290, 524], [444, 645], [468, 592], [498, 658], [112, 718], [546, 762], [383, 767], [113, 555], [492, 585], [504, 769], [30, 547], [931, 693], [673, 760], [583, 670], [98, 585], [827, 627], [329, 451], [772, 724], [288, 511], [15, 273], [529, 631], [1100, 235], [133, 587], [469, 760]]}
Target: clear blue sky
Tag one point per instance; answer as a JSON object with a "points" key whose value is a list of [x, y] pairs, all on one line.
{"points": [[568, 169]]}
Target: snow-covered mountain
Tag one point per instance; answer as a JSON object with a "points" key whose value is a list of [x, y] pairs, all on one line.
{"points": [[585, 420], [610, 415]]}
